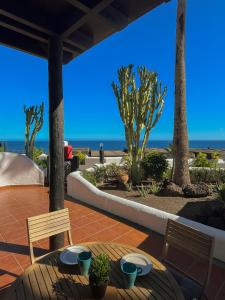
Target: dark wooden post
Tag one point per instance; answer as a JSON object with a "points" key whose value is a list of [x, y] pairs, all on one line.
{"points": [[56, 135]]}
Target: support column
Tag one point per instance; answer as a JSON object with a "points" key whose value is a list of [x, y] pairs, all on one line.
{"points": [[56, 132]]}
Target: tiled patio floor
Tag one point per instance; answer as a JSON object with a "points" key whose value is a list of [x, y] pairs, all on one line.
{"points": [[88, 224]]}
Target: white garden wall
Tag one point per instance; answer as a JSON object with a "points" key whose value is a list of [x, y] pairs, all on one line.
{"points": [[154, 219], [18, 169]]}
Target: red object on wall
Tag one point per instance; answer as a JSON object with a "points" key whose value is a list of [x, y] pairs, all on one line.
{"points": [[68, 152]]}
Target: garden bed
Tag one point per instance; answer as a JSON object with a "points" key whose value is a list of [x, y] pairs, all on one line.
{"points": [[197, 209]]}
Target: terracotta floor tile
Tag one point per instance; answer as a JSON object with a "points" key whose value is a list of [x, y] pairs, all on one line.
{"points": [[92, 228], [8, 263], [121, 228], [9, 277], [105, 235], [83, 221], [23, 260]]}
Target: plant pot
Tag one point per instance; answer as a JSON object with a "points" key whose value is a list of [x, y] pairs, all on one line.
{"points": [[123, 178], [98, 291]]}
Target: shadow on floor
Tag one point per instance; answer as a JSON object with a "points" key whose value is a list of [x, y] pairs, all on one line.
{"points": [[20, 249]]}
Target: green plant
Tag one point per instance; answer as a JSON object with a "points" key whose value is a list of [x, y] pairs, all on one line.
{"points": [[100, 173], [99, 270], [111, 171], [154, 165], [128, 186], [220, 188], [215, 155], [168, 174], [2, 147], [155, 188], [140, 108], [126, 162], [202, 161], [170, 154], [89, 176], [143, 190], [207, 175], [34, 123], [81, 156], [40, 162]]}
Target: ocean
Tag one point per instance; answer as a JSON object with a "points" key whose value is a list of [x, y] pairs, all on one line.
{"points": [[18, 146]]}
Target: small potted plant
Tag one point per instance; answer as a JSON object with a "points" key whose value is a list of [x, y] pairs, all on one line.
{"points": [[99, 275]]}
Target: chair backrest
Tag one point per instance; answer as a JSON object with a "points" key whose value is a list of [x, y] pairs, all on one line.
{"points": [[192, 242], [46, 225]]}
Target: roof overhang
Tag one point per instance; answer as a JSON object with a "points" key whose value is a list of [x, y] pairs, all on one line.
{"points": [[27, 24]]}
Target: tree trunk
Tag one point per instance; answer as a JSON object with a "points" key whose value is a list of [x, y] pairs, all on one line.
{"points": [[135, 171], [56, 137], [181, 171]]}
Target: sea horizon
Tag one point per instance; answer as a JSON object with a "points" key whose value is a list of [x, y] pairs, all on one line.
{"points": [[112, 144]]}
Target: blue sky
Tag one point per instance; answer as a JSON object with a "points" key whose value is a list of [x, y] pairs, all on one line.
{"points": [[90, 106]]}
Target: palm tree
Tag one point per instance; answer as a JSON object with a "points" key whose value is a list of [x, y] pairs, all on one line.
{"points": [[181, 174]]}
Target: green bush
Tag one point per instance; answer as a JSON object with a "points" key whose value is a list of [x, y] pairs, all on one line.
{"points": [[207, 175], [220, 188], [81, 156], [40, 162], [202, 161], [155, 188], [215, 155], [126, 161], [154, 165], [89, 176], [111, 171], [100, 174], [143, 190], [99, 270]]}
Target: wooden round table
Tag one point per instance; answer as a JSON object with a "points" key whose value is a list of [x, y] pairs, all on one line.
{"points": [[50, 279]]}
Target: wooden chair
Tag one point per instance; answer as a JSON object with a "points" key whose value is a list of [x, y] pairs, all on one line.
{"points": [[46, 225], [196, 244]]}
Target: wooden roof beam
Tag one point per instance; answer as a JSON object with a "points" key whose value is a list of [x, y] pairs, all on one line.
{"points": [[20, 28], [38, 28], [116, 16], [96, 10]]}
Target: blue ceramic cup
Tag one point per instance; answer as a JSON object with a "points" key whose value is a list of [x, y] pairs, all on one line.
{"points": [[84, 261], [130, 272]]}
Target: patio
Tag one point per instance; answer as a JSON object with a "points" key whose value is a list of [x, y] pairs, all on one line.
{"points": [[88, 224]]}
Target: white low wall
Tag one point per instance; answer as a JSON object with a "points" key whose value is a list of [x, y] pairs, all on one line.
{"points": [[108, 159], [18, 169], [154, 219]]}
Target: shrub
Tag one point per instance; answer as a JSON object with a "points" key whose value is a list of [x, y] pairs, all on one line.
{"points": [[126, 161], [215, 155], [143, 190], [207, 175], [89, 176], [155, 188], [220, 188], [99, 270], [100, 174], [40, 162], [111, 171], [128, 186], [81, 156], [154, 165], [202, 161]]}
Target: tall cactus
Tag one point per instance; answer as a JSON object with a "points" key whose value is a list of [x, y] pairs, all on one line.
{"points": [[34, 123], [140, 108]]}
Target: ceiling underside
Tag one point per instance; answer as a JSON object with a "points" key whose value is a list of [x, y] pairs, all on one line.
{"points": [[27, 24]]}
